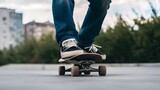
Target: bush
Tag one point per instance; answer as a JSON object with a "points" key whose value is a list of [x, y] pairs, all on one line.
{"points": [[33, 51]]}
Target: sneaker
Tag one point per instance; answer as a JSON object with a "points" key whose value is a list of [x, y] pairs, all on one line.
{"points": [[70, 48], [94, 49]]}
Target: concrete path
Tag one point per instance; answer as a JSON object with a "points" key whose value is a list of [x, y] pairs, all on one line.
{"points": [[45, 77]]}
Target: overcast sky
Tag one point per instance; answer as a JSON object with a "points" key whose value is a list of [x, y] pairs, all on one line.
{"points": [[40, 10]]}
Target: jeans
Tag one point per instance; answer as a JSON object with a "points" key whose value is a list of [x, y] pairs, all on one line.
{"points": [[65, 26]]}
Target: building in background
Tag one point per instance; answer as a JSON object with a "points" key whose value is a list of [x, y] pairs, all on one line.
{"points": [[11, 28], [37, 30]]}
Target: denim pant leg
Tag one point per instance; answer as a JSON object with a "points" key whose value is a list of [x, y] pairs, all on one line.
{"points": [[63, 19], [93, 21]]}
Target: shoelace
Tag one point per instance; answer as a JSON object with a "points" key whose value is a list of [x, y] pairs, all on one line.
{"points": [[93, 48]]}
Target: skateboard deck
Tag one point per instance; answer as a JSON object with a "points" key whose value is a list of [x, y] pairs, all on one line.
{"points": [[82, 57]]}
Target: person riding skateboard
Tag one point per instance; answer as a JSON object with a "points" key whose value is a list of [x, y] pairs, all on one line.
{"points": [[70, 41]]}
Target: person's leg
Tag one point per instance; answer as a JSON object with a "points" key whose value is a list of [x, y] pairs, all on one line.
{"points": [[93, 21], [63, 19], [66, 33]]}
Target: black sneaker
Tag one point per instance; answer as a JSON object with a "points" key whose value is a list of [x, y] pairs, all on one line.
{"points": [[94, 49], [70, 48]]}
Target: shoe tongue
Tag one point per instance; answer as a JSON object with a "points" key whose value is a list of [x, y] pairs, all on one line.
{"points": [[69, 43], [92, 48]]}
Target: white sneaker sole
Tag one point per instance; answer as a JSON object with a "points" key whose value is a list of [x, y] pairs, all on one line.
{"points": [[71, 53], [103, 57]]}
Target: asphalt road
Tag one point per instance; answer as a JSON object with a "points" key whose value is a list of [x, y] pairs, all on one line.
{"points": [[118, 78]]}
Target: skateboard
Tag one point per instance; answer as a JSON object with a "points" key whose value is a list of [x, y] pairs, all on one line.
{"points": [[82, 64]]}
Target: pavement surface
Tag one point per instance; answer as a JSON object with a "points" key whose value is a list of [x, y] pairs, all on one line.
{"points": [[45, 77]]}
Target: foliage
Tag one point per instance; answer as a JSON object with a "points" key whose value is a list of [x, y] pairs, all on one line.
{"points": [[33, 51], [123, 44], [117, 42]]}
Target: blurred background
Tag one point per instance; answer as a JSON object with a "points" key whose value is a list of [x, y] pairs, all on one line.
{"points": [[130, 32]]}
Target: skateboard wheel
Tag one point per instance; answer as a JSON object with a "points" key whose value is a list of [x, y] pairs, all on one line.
{"points": [[102, 71], [61, 70], [75, 71]]}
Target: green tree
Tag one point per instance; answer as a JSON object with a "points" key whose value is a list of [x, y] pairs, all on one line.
{"points": [[117, 42]]}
